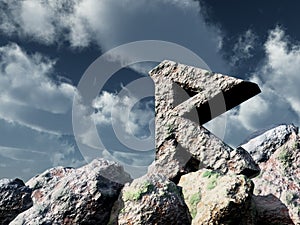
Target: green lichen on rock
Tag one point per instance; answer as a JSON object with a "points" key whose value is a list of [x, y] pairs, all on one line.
{"points": [[194, 200], [291, 198], [296, 145], [213, 177], [286, 158], [207, 173], [136, 194], [151, 199]]}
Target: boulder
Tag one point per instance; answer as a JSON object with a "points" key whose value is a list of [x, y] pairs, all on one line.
{"points": [[15, 198], [263, 145], [74, 196], [280, 173], [151, 199], [270, 210], [213, 198]]}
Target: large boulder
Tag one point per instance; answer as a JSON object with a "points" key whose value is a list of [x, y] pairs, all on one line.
{"points": [[213, 198], [74, 196], [151, 199], [278, 154], [15, 198], [264, 144]]}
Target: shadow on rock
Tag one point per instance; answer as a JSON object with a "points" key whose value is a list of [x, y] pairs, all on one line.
{"points": [[270, 210]]}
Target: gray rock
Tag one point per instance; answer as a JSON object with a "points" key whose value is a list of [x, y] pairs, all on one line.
{"points": [[179, 138], [150, 200], [74, 196], [213, 198], [14, 199], [264, 145], [280, 175]]}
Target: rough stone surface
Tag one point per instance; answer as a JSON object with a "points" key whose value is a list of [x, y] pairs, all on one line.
{"points": [[219, 192], [74, 196], [14, 199], [151, 200], [280, 172], [179, 137], [263, 146], [213, 198], [270, 210]]}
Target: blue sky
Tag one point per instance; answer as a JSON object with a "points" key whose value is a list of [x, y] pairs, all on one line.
{"points": [[46, 46]]}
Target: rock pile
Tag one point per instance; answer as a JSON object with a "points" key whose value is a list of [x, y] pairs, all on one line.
{"points": [[195, 179], [74, 196]]}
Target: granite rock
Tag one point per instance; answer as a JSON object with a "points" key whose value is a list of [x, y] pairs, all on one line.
{"points": [[151, 199], [74, 196], [15, 198], [213, 198], [264, 145], [195, 179], [270, 210], [280, 173]]}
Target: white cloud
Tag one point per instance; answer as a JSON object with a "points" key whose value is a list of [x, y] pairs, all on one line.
{"points": [[126, 113], [279, 81], [35, 20], [115, 114], [27, 93], [244, 47], [110, 23], [35, 112]]}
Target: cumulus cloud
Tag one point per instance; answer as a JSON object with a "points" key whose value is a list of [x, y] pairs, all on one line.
{"points": [[120, 127], [123, 111], [28, 95], [35, 115], [278, 78], [36, 20], [110, 23]]}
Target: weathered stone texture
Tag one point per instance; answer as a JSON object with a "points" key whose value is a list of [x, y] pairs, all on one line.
{"points": [[179, 139], [264, 145], [14, 199], [74, 196], [270, 210], [151, 200], [214, 198], [280, 171]]}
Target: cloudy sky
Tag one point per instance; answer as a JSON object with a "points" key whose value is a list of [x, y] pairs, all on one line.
{"points": [[46, 47]]}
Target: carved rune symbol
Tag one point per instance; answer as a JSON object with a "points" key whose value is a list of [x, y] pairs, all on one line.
{"points": [[182, 144]]}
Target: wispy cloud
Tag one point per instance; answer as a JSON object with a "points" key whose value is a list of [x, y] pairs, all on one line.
{"points": [[244, 47], [25, 152], [119, 128], [35, 115]]}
